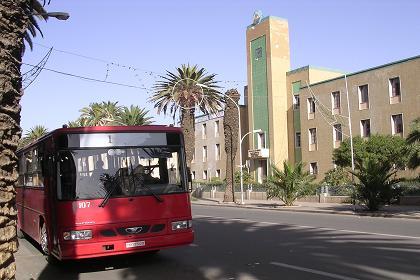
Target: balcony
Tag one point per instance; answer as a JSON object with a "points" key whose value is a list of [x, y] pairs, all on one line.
{"points": [[259, 153]]}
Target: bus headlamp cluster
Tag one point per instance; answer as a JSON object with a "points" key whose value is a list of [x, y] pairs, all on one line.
{"points": [[77, 235], [181, 224]]}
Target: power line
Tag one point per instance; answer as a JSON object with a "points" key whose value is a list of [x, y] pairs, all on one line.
{"points": [[129, 67], [87, 78]]}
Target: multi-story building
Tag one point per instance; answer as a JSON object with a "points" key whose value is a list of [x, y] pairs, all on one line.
{"points": [[303, 112], [210, 157], [382, 100]]}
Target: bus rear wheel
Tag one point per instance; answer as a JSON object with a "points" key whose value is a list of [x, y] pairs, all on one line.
{"points": [[43, 239]]}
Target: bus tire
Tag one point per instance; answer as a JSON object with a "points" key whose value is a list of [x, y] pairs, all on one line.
{"points": [[43, 239], [51, 259]]}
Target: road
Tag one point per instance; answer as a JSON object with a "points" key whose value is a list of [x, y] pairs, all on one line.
{"points": [[233, 243]]}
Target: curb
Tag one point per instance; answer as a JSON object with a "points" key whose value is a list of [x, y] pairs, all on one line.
{"points": [[330, 212]]}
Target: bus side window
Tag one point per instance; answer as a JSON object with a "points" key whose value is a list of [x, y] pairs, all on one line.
{"points": [[21, 170], [38, 168], [29, 182]]}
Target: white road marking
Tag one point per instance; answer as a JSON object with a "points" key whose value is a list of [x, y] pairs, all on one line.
{"points": [[311, 227], [314, 271]]}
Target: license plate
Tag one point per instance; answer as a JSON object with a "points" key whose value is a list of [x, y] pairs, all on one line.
{"points": [[135, 244]]}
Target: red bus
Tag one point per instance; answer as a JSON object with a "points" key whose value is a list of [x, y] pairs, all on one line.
{"points": [[99, 191]]}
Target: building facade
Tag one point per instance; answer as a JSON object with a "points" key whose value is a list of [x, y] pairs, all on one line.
{"points": [[303, 113], [210, 158]]}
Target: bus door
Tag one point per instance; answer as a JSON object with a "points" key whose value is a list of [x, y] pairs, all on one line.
{"points": [[51, 197]]}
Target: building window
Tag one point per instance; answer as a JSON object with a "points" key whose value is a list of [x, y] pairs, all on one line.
{"points": [[312, 139], [205, 175], [216, 128], [218, 173], [297, 140], [217, 151], [258, 53], [394, 85], [397, 124], [363, 97], [193, 175], [204, 153], [260, 140], [311, 105], [313, 168], [394, 90], [193, 158], [337, 135], [365, 128], [336, 101], [296, 102], [204, 130]]}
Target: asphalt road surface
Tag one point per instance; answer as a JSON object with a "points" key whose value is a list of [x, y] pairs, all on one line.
{"points": [[234, 243]]}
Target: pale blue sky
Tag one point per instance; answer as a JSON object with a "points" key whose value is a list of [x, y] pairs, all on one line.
{"points": [[158, 35]]}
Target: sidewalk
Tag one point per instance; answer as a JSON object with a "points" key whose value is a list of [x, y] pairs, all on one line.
{"points": [[393, 211]]}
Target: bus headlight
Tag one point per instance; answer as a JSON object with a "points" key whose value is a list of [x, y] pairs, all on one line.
{"points": [[77, 235], [181, 224]]}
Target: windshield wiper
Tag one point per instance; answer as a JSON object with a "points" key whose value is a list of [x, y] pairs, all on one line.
{"points": [[158, 198], [106, 178]]}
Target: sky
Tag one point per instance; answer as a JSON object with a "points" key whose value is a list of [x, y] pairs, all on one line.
{"points": [[133, 42]]}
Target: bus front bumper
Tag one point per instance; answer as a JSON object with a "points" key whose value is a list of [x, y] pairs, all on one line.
{"points": [[75, 250]]}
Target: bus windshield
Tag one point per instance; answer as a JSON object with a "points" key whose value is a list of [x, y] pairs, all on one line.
{"points": [[119, 172]]}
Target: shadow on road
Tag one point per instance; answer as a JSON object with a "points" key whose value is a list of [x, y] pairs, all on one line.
{"points": [[227, 249]]}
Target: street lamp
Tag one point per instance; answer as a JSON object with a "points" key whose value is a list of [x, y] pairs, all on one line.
{"points": [[240, 161], [57, 15]]}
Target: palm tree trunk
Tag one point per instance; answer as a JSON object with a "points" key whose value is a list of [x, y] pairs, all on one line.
{"points": [[188, 127], [12, 29], [231, 131]]}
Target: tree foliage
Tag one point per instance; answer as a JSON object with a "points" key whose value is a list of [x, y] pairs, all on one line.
{"points": [[380, 148], [110, 113], [247, 177], [183, 91], [33, 134], [376, 182], [290, 183], [134, 115], [377, 160], [413, 139]]}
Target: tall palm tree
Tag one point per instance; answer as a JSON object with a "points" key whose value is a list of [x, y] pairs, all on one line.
{"points": [[232, 134], [290, 183], [17, 23], [413, 139], [134, 115], [100, 114], [34, 133], [181, 93]]}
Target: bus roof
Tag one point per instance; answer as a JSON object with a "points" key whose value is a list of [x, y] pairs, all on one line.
{"points": [[99, 129]]}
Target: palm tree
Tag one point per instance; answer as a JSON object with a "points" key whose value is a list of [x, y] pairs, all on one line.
{"points": [[181, 93], [76, 123], [231, 133], [34, 133], [134, 115], [413, 139], [376, 179], [290, 183], [100, 114], [17, 23]]}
